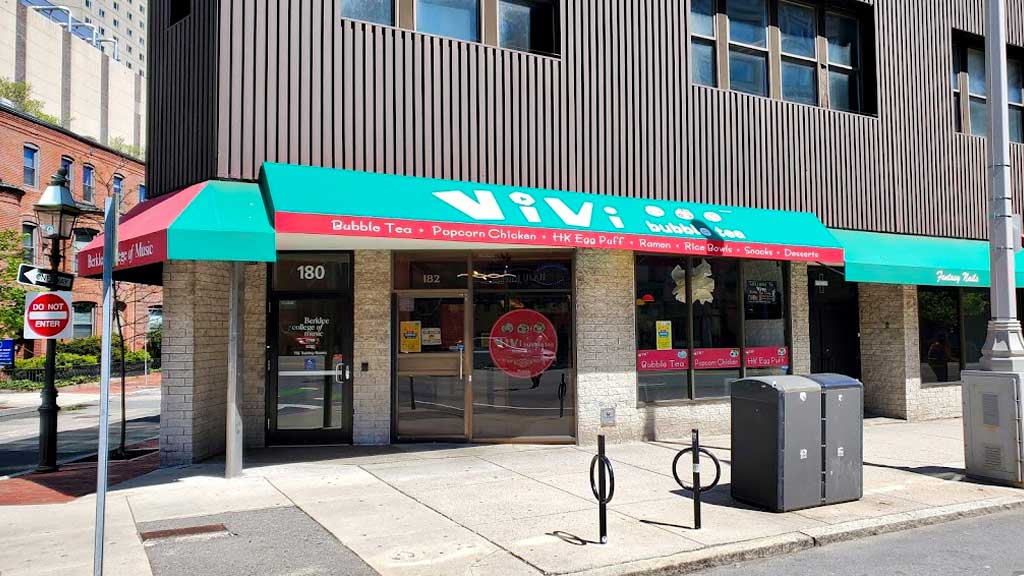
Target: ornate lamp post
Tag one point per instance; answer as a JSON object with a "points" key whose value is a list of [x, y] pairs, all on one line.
{"points": [[57, 213]]}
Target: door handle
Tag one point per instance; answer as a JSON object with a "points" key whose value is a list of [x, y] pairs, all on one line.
{"points": [[340, 373], [462, 360]]}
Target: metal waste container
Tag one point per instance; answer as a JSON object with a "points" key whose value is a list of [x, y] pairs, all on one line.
{"points": [[842, 412], [776, 442]]}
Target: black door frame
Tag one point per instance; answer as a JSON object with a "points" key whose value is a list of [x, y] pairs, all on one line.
{"points": [[344, 300]]}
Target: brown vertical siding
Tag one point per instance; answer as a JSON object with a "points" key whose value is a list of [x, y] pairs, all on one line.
{"points": [[615, 114]]}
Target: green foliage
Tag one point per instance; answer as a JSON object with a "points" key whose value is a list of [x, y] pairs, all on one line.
{"points": [[20, 93], [155, 342], [92, 345], [118, 143], [28, 385], [12, 294], [64, 360]]}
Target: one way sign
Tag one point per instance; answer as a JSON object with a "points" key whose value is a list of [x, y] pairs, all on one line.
{"points": [[32, 276]]}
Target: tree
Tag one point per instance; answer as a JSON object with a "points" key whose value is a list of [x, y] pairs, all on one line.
{"points": [[20, 94], [137, 152], [12, 294]]}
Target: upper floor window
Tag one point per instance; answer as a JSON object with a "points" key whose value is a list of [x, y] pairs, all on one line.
{"points": [[458, 19], [30, 166], [82, 238], [28, 243], [970, 90], [528, 25], [142, 193], [88, 184], [118, 186], [68, 164], [804, 51], [179, 10], [377, 11]]}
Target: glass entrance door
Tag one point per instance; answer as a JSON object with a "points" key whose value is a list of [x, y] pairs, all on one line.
{"points": [[432, 365], [311, 371]]}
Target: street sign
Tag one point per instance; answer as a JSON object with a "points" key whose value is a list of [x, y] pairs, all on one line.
{"points": [[7, 352], [48, 315], [32, 276]]}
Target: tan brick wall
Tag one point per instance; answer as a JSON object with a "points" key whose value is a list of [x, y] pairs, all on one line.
{"points": [[606, 346], [254, 372], [194, 384], [799, 320], [372, 345]]}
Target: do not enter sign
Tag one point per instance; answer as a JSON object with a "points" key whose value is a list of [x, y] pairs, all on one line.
{"points": [[48, 316]]}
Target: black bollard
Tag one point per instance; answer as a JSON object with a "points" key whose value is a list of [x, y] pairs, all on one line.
{"points": [[695, 440], [604, 488]]}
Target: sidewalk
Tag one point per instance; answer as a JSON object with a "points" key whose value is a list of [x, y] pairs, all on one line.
{"points": [[14, 404], [512, 509]]}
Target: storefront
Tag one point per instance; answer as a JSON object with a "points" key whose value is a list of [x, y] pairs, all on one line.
{"points": [[401, 309]]}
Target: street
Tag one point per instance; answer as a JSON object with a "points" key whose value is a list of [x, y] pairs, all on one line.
{"points": [[988, 545], [77, 430]]}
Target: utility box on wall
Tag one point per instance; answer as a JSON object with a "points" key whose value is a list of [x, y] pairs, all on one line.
{"points": [[993, 426]]}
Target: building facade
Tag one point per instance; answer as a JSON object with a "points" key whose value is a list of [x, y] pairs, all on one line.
{"points": [[122, 20], [31, 152], [78, 85], [673, 195]]}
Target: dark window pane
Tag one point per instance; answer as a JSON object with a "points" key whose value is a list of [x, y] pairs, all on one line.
{"points": [[796, 23], [379, 11], [976, 71], [799, 82], [957, 120], [843, 44], [765, 313], [88, 174], [662, 320], [527, 25], [979, 117], [842, 90], [458, 19], [702, 17], [939, 334], [1016, 77], [748, 22], [703, 54], [30, 162], [748, 72], [1017, 124], [977, 311], [716, 326]]}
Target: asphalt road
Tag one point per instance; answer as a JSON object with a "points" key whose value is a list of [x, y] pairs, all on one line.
{"points": [[77, 431], [984, 546]]}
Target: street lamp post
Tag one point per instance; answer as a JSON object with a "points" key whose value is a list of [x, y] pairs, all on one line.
{"points": [[57, 212]]}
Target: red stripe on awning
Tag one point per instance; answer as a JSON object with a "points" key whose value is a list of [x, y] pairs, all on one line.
{"points": [[142, 233]]}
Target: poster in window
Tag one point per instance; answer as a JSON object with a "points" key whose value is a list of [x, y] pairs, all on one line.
{"points": [[431, 337], [410, 339], [763, 300], [663, 330]]}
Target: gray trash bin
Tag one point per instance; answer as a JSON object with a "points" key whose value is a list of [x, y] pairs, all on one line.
{"points": [[776, 442], [842, 410]]}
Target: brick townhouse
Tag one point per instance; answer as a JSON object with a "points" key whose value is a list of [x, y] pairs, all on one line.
{"points": [[31, 152]]}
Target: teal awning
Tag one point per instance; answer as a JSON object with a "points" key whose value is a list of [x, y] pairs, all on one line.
{"points": [[325, 207], [917, 260]]}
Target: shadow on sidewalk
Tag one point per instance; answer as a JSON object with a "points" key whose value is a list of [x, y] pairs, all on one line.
{"points": [[940, 472]]}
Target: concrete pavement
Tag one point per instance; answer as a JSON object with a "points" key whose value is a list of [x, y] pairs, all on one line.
{"points": [[517, 510]]}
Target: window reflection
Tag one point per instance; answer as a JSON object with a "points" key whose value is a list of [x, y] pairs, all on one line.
{"points": [[459, 19]]}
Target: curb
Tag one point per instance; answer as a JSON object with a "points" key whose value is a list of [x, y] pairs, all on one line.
{"points": [[761, 548]]}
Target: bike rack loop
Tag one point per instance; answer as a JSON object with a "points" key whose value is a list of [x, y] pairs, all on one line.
{"points": [[696, 488], [603, 491]]}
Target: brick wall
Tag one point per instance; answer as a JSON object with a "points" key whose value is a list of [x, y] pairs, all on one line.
{"points": [[254, 371], [606, 346], [194, 383], [372, 345], [890, 358], [16, 209], [799, 320]]}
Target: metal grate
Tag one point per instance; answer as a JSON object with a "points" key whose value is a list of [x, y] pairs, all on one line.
{"points": [[990, 409], [994, 457]]}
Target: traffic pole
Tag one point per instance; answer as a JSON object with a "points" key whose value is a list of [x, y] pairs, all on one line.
{"points": [[109, 256]]}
